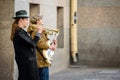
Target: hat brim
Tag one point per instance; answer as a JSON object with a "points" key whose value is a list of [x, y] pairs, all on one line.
{"points": [[21, 17]]}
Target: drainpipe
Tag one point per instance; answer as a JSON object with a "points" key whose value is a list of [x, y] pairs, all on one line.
{"points": [[73, 31]]}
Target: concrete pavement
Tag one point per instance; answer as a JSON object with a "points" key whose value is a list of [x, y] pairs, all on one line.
{"points": [[87, 74]]}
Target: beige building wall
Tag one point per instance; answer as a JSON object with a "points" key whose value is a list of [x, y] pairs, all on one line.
{"points": [[50, 10], [99, 32], [6, 51]]}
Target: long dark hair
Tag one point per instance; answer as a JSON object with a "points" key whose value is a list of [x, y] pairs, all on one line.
{"points": [[14, 27]]}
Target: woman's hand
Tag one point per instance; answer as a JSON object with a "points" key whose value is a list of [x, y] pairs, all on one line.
{"points": [[55, 42], [52, 47], [39, 29]]}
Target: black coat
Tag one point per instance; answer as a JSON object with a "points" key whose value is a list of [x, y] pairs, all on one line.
{"points": [[25, 55]]}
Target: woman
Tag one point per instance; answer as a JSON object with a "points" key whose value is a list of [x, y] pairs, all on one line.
{"points": [[42, 45], [24, 47]]}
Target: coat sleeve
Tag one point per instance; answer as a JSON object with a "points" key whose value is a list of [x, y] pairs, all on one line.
{"points": [[28, 39], [42, 45]]}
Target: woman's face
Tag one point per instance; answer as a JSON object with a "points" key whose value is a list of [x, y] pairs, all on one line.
{"points": [[25, 22], [40, 22]]}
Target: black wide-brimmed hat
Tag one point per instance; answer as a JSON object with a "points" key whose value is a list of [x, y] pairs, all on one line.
{"points": [[21, 14]]}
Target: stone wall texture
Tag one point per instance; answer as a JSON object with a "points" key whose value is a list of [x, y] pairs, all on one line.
{"points": [[6, 51], [98, 32]]}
